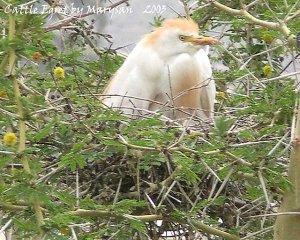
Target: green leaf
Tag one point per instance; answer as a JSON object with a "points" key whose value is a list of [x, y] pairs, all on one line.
{"points": [[73, 161], [46, 130], [4, 160], [222, 125]]}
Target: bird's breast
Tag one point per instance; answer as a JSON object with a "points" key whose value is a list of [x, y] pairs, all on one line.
{"points": [[180, 85], [181, 77]]}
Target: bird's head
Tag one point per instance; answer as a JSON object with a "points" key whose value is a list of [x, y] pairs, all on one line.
{"points": [[177, 36]]}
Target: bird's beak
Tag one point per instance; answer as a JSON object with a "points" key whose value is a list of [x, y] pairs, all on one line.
{"points": [[201, 40]]}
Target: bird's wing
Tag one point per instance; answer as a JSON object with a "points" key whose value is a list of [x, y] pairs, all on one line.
{"points": [[134, 83], [208, 90]]}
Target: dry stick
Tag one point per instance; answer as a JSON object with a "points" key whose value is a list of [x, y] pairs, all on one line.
{"points": [[252, 4], [209, 168], [7, 224], [240, 62], [171, 91], [270, 10], [230, 172], [265, 52], [7, 152], [262, 231], [259, 203], [166, 193], [73, 233], [263, 185], [117, 192], [138, 178], [278, 143], [184, 194], [151, 201], [295, 15], [183, 134], [281, 77], [275, 214], [22, 125], [3, 4], [77, 188], [186, 8]]}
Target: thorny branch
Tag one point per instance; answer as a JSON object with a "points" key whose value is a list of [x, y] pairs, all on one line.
{"points": [[278, 26]]}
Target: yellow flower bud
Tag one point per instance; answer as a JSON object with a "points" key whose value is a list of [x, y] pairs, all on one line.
{"points": [[10, 138], [267, 38], [37, 56], [3, 94], [267, 70], [59, 72], [221, 95]]}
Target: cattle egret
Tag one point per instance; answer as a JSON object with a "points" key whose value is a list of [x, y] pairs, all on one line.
{"points": [[168, 71]]}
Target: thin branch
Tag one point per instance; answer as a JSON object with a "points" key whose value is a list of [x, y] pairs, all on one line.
{"points": [[148, 218], [295, 15], [263, 184], [5, 226], [281, 77], [214, 231], [278, 26], [68, 20], [276, 214]]}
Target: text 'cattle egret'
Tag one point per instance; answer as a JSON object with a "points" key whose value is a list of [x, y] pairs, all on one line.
{"points": [[169, 71]]}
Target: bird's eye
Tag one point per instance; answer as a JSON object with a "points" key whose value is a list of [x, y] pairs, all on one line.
{"points": [[181, 37]]}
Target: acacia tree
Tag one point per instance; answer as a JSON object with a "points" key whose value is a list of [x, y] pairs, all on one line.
{"points": [[287, 17], [71, 169]]}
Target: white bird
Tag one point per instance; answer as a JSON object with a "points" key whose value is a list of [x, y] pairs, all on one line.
{"points": [[168, 70]]}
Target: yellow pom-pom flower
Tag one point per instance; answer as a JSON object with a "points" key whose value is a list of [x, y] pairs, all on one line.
{"points": [[59, 72], [267, 70], [10, 138]]}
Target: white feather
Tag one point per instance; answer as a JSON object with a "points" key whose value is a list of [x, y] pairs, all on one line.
{"points": [[170, 72]]}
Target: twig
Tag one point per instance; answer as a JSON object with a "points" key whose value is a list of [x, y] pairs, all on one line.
{"points": [[73, 233], [262, 182], [166, 193], [68, 20], [77, 188], [262, 231], [275, 214], [278, 143], [214, 231], [6, 225], [281, 77], [149, 218], [7, 152], [117, 192], [278, 26], [226, 179]]}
